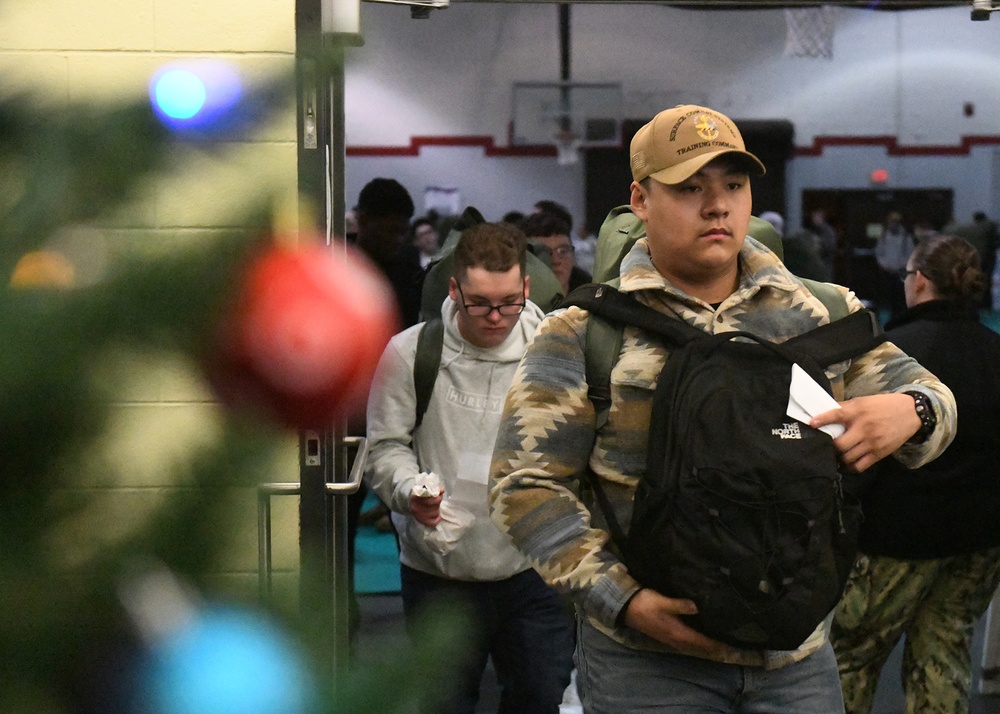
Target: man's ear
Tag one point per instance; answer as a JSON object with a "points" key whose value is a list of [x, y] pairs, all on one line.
{"points": [[920, 283], [638, 200], [453, 289], [527, 286]]}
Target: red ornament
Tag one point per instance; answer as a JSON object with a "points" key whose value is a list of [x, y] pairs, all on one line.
{"points": [[304, 336]]}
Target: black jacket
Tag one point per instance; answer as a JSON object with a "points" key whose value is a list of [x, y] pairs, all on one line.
{"points": [[951, 505]]}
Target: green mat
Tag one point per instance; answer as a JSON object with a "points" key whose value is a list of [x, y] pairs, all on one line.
{"points": [[376, 559], [990, 319]]}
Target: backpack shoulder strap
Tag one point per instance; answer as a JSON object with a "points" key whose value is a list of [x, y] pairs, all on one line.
{"points": [[426, 364], [847, 335], [610, 310], [843, 339], [603, 343], [605, 299], [614, 305]]}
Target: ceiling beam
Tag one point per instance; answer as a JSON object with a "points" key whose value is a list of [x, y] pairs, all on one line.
{"points": [[758, 4]]}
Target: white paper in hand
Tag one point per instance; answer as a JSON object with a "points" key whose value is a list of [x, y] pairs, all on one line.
{"points": [[455, 520], [806, 399], [426, 485]]}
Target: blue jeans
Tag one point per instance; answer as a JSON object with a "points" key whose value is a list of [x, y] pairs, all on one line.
{"points": [[614, 679], [520, 622]]}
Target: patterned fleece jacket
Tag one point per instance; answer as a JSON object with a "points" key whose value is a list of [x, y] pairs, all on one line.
{"points": [[548, 433]]}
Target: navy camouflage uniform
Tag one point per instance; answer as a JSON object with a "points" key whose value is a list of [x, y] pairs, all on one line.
{"points": [[930, 538], [935, 603]]}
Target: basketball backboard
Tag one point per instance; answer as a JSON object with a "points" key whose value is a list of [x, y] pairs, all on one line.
{"points": [[548, 112]]}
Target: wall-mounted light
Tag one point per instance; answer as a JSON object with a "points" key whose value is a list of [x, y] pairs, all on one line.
{"points": [[981, 9], [419, 9], [341, 17]]}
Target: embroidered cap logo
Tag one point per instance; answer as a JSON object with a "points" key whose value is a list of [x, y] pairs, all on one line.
{"points": [[706, 127]]}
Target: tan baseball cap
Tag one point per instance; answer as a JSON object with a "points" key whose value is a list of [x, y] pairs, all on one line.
{"points": [[679, 141]]}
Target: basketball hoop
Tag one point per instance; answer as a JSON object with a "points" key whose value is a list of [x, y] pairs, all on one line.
{"points": [[567, 115], [567, 147], [809, 31]]}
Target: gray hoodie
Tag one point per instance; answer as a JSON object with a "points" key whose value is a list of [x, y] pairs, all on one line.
{"points": [[454, 441]]}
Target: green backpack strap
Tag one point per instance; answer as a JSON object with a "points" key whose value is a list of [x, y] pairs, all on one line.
{"points": [[619, 231], [426, 364], [833, 300], [763, 232], [602, 347]]}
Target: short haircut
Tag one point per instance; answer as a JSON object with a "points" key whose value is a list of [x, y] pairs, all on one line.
{"points": [[542, 224], [382, 197], [556, 209], [496, 247], [952, 265]]}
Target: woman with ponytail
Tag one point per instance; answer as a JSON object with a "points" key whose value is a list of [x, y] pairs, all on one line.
{"points": [[930, 542]]}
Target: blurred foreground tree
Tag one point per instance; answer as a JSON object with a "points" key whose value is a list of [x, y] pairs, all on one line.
{"points": [[133, 623]]}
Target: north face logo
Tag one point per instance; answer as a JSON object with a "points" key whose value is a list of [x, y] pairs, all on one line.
{"points": [[788, 431]]}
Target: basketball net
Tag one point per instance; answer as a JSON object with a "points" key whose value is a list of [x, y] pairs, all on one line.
{"points": [[810, 31], [567, 147]]}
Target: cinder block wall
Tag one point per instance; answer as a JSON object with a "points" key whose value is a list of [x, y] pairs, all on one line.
{"points": [[106, 50]]}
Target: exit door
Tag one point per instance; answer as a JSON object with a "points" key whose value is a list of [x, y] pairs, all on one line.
{"points": [[854, 213]]}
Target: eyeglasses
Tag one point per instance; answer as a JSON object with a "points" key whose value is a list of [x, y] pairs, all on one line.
{"points": [[508, 309], [564, 250], [903, 273]]}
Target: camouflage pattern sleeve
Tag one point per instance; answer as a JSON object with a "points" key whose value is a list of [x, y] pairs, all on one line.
{"points": [[545, 441]]}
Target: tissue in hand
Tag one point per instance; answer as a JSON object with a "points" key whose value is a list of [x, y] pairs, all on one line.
{"points": [[426, 485], [455, 520]]}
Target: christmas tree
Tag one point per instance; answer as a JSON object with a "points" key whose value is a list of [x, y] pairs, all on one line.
{"points": [[135, 622]]}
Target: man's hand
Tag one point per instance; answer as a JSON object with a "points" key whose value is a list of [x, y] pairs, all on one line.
{"points": [[427, 509], [875, 426], [656, 615]]}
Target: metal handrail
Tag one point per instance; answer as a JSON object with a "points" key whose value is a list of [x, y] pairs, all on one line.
{"points": [[266, 490], [353, 482]]}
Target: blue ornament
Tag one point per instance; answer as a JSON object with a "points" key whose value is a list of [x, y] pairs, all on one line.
{"points": [[195, 94], [179, 94], [223, 661]]}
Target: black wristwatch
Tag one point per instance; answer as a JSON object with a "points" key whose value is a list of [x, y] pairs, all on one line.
{"points": [[928, 419]]}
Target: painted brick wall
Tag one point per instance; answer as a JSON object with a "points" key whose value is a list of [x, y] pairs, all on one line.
{"points": [[106, 50]]}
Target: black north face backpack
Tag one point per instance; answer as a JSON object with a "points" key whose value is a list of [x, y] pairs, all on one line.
{"points": [[742, 509]]}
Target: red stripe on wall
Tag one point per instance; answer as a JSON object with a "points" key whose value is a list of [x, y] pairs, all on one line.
{"points": [[486, 142], [892, 147]]}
